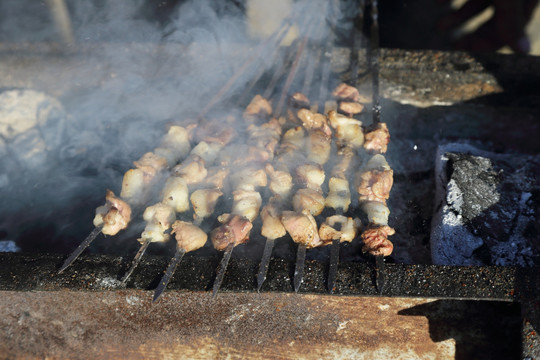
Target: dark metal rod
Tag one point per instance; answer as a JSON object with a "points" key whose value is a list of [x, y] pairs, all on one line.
{"points": [[299, 266], [136, 260], [82, 246], [265, 261], [291, 76], [374, 57], [169, 272], [334, 262], [222, 268]]}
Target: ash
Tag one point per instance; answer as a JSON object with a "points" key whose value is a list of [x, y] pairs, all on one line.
{"points": [[486, 208]]}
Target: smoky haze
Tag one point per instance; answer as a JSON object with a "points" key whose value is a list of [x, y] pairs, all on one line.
{"points": [[112, 94]]}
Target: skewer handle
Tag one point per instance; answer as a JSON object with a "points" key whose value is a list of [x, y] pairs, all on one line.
{"points": [[222, 268], [136, 260], [265, 261], [299, 267], [86, 243], [334, 261], [169, 273]]}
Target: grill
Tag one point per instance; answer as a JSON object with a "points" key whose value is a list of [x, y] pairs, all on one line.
{"points": [[435, 84]]}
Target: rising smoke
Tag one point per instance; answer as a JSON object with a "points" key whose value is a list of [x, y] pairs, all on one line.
{"points": [[114, 91]]}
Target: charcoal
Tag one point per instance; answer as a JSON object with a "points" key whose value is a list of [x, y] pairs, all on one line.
{"points": [[486, 208]]}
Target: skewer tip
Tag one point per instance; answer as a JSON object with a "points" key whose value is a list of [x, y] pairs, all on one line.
{"points": [[82, 246]]}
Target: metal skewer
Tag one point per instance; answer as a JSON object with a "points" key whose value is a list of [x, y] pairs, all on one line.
{"points": [[334, 260], [221, 269], [75, 254], [265, 261], [169, 272], [136, 260], [299, 266], [374, 61]]}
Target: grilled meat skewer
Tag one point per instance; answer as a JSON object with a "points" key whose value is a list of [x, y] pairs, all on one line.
{"points": [[115, 215]]}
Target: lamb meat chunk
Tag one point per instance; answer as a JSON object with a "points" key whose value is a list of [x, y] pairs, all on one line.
{"points": [[308, 201], [302, 228], [114, 216], [374, 185], [347, 92], [376, 240], [235, 231], [188, 236], [339, 227], [350, 108], [377, 139]]}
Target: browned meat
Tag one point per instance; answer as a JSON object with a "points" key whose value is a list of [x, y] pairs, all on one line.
{"points": [[204, 202], [302, 228], [188, 236], [377, 140], [310, 176], [242, 154], [339, 227], [235, 231], [151, 165], [159, 218], [318, 147], [280, 181], [347, 92], [216, 178], [314, 121], [299, 100], [258, 108], [376, 240], [374, 185], [215, 132], [348, 131], [249, 178], [272, 228], [192, 170], [308, 200], [350, 108], [345, 163], [114, 216]]}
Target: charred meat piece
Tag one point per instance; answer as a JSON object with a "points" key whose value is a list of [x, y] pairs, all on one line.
{"points": [[347, 92], [176, 194], [204, 202], [302, 228], [150, 164], [339, 195], [308, 201], [299, 101], [350, 108], [280, 181], [376, 240], [192, 170], [258, 108], [348, 131], [318, 147], [339, 227], [345, 163], [174, 146], [374, 182], [114, 216], [374, 185], [235, 231], [133, 187], [272, 228], [188, 236], [314, 121], [310, 176], [377, 139], [159, 218]]}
